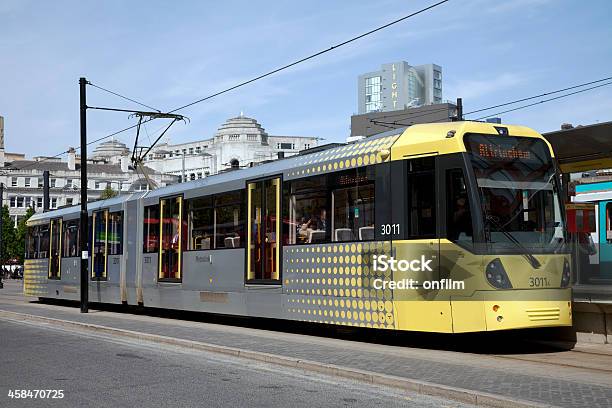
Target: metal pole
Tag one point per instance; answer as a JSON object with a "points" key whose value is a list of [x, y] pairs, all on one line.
{"points": [[459, 109], [45, 190], [83, 226], [183, 156]]}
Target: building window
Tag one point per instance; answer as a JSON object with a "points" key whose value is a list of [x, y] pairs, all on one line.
{"points": [[13, 181], [19, 202], [373, 91], [286, 146], [69, 183], [184, 151], [115, 233], [39, 202], [28, 202], [306, 145], [97, 185], [151, 229], [40, 183], [198, 149], [54, 202], [53, 183], [71, 239], [437, 75], [180, 179], [234, 137], [27, 182], [69, 201], [199, 175], [13, 202], [191, 150]]}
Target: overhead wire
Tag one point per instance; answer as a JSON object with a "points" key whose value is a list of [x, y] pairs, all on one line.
{"points": [[241, 84], [122, 96]]}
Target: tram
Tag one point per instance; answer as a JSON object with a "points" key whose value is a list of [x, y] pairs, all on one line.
{"points": [[296, 239]]}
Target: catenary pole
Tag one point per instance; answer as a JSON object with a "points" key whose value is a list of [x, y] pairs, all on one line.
{"points": [[84, 219]]}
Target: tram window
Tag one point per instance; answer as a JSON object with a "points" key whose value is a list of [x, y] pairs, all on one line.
{"points": [[353, 213], [115, 233], [308, 208], [32, 243], [151, 229], [229, 220], [458, 215], [314, 219], [421, 197], [200, 223], [43, 249], [70, 241]]}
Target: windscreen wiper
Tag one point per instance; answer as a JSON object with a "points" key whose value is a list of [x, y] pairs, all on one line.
{"points": [[525, 252]]}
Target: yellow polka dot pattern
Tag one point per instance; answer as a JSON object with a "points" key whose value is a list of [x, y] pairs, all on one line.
{"points": [[352, 155], [333, 283], [35, 273]]}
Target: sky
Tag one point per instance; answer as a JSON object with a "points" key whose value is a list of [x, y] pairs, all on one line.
{"points": [[167, 54]]}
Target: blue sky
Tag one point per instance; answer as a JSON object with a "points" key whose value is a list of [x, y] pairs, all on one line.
{"points": [[167, 54]]}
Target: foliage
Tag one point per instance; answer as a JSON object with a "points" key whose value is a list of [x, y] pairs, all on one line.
{"points": [[108, 192], [8, 236], [13, 239]]}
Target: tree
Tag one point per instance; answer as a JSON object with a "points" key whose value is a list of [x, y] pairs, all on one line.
{"points": [[18, 249], [8, 236], [108, 192]]}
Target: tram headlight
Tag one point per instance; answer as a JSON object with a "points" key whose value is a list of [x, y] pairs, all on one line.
{"points": [[567, 274], [497, 276]]}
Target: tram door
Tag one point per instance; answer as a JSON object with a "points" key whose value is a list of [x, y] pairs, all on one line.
{"points": [[100, 244], [55, 246], [263, 246], [171, 239]]}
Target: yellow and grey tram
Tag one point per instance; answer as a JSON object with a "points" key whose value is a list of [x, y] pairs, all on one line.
{"points": [[453, 227]]}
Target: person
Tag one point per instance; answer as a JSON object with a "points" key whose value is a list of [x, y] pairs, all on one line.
{"points": [[462, 222], [303, 229]]}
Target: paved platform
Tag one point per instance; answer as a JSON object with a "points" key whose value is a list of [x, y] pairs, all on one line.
{"points": [[569, 379]]}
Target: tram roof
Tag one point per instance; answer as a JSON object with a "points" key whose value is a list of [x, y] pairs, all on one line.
{"points": [[583, 148]]}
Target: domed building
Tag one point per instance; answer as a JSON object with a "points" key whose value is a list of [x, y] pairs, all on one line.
{"points": [[239, 142], [110, 151]]}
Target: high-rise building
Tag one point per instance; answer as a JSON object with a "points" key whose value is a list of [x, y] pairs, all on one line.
{"points": [[399, 85]]}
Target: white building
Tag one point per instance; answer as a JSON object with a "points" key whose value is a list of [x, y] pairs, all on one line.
{"points": [[109, 166], [239, 142]]}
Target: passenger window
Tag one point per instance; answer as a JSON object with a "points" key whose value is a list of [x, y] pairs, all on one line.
{"points": [[71, 239], [338, 207], [353, 209], [308, 208], [421, 198], [151, 229], [32, 243], [200, 221], [229, 220], [43, 250], [115, 233], [458, 215]]}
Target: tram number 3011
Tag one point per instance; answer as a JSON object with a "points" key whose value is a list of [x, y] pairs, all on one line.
{"points": [[389, 229], [538, 282]]}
